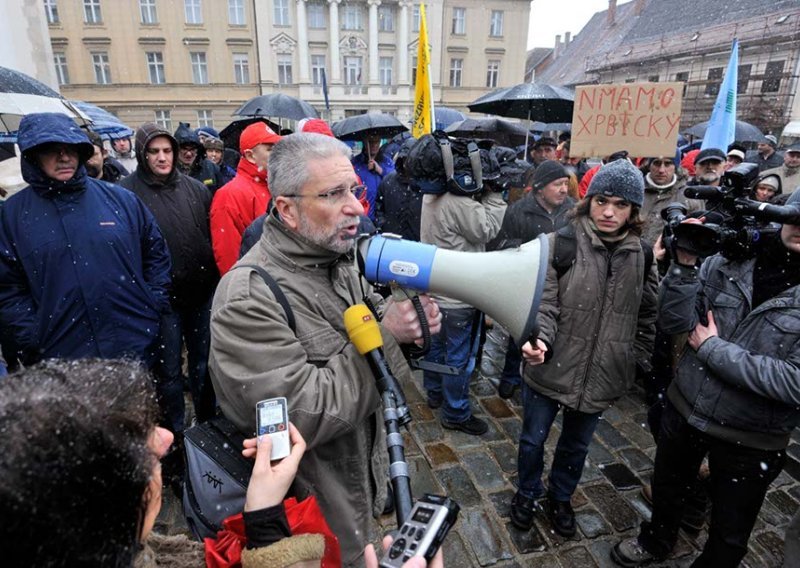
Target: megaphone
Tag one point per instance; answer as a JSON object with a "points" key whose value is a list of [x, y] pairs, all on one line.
{"points": [[506, 285]]}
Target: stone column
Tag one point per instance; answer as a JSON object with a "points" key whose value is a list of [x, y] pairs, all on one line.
{"points": [[302, 41], [402, 44], [374, 79], [333, 24]]}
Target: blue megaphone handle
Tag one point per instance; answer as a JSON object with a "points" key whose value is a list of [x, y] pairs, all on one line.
{"points": [[408, 263]]}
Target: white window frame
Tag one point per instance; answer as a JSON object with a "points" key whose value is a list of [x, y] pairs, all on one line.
{"points": [[281, 13], [241, 68], [496, 24], [155, 67], [456, 72], [237, 15], [193, 12], [148, 12], [62, 69], [317, 67], [353, 70], [459, 26], [51, 11], [102, 67], [163, 118], [285, 70], [315, 15], [199, 62], [205, 117], [386, 18], [351, 17], [493, 73], [92, 13], [386, 71]]}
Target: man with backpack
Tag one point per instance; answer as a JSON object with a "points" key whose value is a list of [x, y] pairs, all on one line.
{"points": [[596, 317]]}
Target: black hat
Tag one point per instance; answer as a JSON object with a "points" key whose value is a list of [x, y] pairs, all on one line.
{"points": [[547, 172], [545, 141], [709, 154]]}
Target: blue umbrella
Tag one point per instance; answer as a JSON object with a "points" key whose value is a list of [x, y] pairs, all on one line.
{"points": [[445, 116], [104, 123]]}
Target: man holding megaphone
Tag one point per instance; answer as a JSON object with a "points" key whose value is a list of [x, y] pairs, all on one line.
{"points": [[596, 320]]}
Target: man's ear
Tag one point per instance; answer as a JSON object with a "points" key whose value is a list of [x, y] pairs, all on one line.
{"points": [[287, 210]]}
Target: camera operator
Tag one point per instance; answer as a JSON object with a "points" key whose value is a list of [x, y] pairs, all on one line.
{"points": [[735, 396]]}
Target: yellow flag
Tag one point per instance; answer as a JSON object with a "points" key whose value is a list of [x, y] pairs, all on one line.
{"points": [[423, 94]]}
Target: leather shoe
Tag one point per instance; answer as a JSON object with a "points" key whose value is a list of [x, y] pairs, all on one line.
{"points": [[506, 390], [472, 425], [523, 511], [561, 516]]}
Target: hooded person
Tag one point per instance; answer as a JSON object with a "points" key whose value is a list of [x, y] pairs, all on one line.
{"points": [[180, 205], [84, 266], [766, 187], [192, 160], [122, 151], [371, 169]]}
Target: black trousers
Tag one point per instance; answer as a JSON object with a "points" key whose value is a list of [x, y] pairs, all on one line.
{"points": [[739, 480]]}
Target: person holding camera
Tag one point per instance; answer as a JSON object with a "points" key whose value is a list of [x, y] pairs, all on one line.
{"points": [[596, 325], [735, 397]]}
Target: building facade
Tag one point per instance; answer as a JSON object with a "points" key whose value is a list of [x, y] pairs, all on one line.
{"points": [[197, 60]]}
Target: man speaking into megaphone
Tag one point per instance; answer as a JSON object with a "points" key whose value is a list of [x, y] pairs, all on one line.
{"points": [[286, 337]]}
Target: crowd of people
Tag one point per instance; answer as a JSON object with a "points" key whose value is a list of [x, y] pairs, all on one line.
{"points": [[117, 263]]}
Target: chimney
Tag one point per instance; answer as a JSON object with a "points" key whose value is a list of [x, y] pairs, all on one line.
{"points": [[638, 7], [557, 48], [612, 12], [567, 36]]}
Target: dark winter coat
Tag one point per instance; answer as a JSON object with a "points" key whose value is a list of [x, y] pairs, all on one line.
{"points": [[180, 205], [202, 169], [113, 170], [742, 386], [84, 269], [370, 178], [398, 208], [526, 219], [598, 320]]}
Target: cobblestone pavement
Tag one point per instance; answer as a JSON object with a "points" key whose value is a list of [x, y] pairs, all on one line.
{"points": [[480, 474]]}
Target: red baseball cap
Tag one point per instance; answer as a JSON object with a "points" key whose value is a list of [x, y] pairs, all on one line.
{"points": [[255, 134], [316, 125]]}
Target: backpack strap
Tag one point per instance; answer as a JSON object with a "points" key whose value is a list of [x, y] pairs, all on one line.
{"points": [[565, 249], [276, 291]]}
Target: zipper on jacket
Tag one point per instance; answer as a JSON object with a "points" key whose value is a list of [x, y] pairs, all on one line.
{"points": [[596, 329]]}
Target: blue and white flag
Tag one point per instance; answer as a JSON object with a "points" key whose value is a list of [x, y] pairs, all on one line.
{"points": [[721, 129]]}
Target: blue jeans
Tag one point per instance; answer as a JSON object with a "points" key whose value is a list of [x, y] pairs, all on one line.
{"points": [[511, 373], [192, 326], [573, 445], [454, 345]]}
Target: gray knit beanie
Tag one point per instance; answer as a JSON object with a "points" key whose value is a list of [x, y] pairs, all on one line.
{"points": [[547, 172], [619, 179]]}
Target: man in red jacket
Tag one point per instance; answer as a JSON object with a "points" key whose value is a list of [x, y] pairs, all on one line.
{"points": [[245, 197]]}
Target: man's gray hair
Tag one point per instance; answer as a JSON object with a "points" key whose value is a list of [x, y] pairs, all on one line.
{"points": [[287, 168]]}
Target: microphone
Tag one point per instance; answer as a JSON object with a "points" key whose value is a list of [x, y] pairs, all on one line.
{"points": [[363, 331]]}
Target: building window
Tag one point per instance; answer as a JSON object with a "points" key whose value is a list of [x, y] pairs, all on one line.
{"points": [[492, 73], [743, 80], [714, 81], [194, 11], [241, 68], [147, 12], [456, 68], [413, 71], [91, 12], [496, 26], [385, 66], [164, 120], [653, 78], [317, 69], [280, 12], [683, 77], [772, 77], [315, 15], [51, 11], [205, 118], [102, 70], [352, 70], [351, 17], [285, 69], [199, 67], [155, 66], [459, 21], [60, 61], [236, 13], [386, 18], [415, 17]]}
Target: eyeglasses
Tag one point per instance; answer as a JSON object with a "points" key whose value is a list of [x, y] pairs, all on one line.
{"points": [[338, 194]]}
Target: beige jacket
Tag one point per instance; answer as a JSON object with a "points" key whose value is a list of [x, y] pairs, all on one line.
{"points": [[456, 222], [329, 387], [599, 321], [656, 199], [790, 178]]}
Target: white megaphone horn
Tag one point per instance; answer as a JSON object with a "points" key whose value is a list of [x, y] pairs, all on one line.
{"points": [[506, 285]]}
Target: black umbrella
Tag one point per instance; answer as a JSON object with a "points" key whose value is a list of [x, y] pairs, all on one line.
{"points": [[745, 132], [503, 132], [277, 105], [230, 134], [548, 103], [357, 127], [445, 116]]}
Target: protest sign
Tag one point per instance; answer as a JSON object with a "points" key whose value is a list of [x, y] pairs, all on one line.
{"points": [[642, 118]]}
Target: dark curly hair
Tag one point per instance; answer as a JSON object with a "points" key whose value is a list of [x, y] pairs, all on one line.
{"points": [[74, 462]]}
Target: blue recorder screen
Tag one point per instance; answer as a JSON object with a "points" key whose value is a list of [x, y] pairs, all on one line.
{"points": [[270, 419]]}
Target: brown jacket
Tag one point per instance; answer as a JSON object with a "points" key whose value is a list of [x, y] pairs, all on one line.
{"points": [[329, 387], [598, 319], [657, 198]]}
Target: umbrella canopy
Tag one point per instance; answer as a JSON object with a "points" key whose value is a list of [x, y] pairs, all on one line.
{"points": [[745, 132], [548, 103], [21, 95], [357, 127], [446, 116], [503, 132], [104, 123], [277, 105], [230, 134]]}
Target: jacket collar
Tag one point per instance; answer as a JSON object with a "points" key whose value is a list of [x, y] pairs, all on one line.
{"points": [[294, 251], [630, 242], [248, 169], [49, 187]]}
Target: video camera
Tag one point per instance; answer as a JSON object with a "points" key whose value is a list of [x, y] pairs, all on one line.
{"points": [[739, 223]]}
